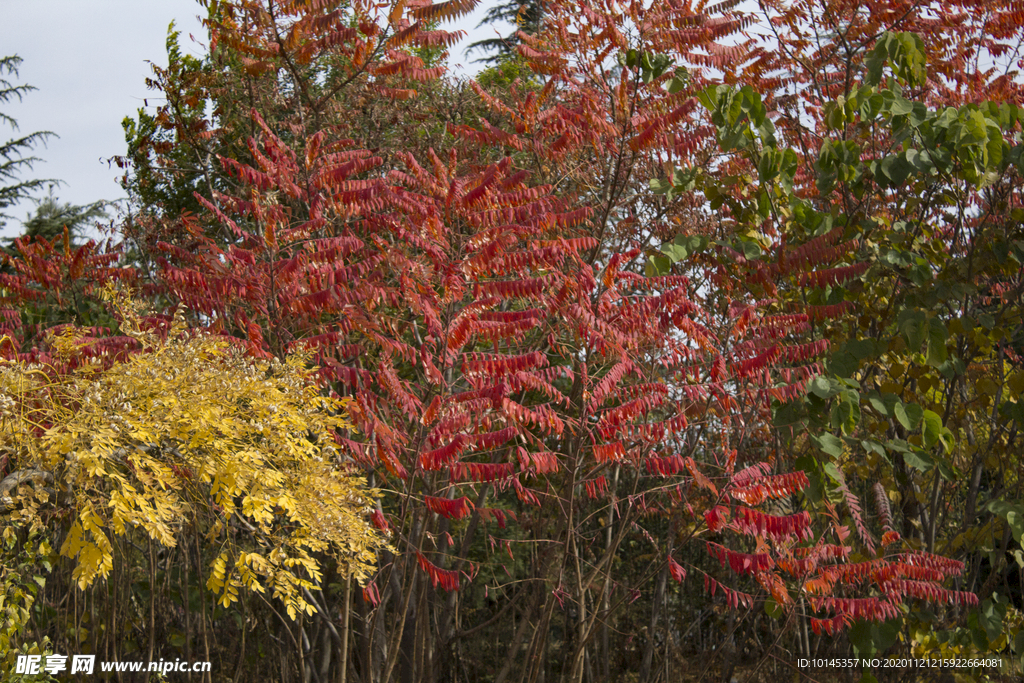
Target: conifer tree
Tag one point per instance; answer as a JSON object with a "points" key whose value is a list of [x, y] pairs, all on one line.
{"points": [[12, 152], [526, 16], [52, 216]]}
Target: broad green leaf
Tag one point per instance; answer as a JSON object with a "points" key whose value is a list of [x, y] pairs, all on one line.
{"points": [[829, 444], [914, 412], [879, 405], [658, 264], [872, 447], [931, 429], [901, 106], [660, 185], [822, 387], [846, 412], [918, 460], [990, 617], [683, 246], [788, 414], [862, 639], [937, 336], [947, 439], [1013, 410], [1012, 513], [908, 414], [750, 249], [861, 348], [679, 80], [901, 415], [833, 472], [914, 328]]}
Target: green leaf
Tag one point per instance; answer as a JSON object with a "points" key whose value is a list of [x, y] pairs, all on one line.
{"points": [[937, 336], [708, 97], [660, 185], [914, 413], [861, 348], [772, 608], [874, 447], [1011, 513], [829, 444], [914, 328], [833, 472], [788, 414], [683, 246], [918, 460], [658, 264], [922, 160], [901, 414], [898, 445], [846, 412], [843, 364], [990, 618], [885, 633], [908, 414], [861, 639], [879, 405], [885, 404], [679, 81], [835, 114], [1012, 411], [822, 387], [947, 439], [901, 106], [932, 428], [978, 636], [875, 63]]}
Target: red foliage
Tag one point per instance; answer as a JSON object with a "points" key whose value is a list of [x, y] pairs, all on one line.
{"points": [[445, 578], [456, 508]]}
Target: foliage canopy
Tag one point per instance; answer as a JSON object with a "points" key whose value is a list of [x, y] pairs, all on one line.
{"points": [[656, 328]]}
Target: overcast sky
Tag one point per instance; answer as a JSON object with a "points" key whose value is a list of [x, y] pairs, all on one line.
{"points": [[88, 61]]}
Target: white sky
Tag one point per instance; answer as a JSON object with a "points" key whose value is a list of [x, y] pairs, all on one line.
{"points": [[88, 61]]}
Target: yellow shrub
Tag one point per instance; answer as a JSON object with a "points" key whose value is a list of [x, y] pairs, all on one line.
{"points": [[188, 431]]}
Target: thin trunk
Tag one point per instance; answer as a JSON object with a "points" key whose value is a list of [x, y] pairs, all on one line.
{"points": [[586, 628], [970, 509], [448, 628], [659, 600], [331, 634], [395, 643], [803, 625], [520, 636], [207, 676], [152, 601], [185, 594], [537, 653], [303, 641], [241, 650], [343, 653], [328, 651]]}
